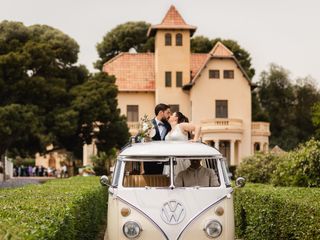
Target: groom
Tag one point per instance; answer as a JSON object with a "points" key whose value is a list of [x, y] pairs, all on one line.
{"points": [[160, 122], [162, 127]]}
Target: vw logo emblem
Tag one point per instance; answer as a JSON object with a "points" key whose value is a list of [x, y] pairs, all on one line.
{"points": [[173, 212]]}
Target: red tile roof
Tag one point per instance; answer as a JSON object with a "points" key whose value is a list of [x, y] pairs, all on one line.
{"points": [[172, 20], [196, 62], [135, 71], [220, 50]]}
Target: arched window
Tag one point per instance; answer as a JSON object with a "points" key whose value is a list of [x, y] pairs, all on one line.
{"points": [[178, 39], [168, 39]]}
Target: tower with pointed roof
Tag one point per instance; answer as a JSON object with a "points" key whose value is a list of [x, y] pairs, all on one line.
{"points": [[172, 59]]}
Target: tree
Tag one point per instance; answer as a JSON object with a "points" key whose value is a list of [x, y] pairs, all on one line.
{"points": [[122, 38], [258, 114], [307, 95], [200, 44], [276, 93], [95, 102], [37, 71], [20, 129], [316, 119], [287, 105]]}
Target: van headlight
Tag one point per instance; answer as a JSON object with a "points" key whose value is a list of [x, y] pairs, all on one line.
{"points": [[213, 229], [131, 229]]}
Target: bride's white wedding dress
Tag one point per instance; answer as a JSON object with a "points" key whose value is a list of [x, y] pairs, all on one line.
{"points": [[176, 134]]}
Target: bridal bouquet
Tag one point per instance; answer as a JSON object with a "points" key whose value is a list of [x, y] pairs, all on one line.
{"points": [[146, 130]]}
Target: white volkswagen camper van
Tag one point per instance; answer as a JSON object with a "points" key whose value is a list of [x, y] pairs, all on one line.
{"points": [[169, 200]]}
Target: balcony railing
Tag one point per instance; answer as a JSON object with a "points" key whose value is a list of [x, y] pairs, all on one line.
{"points": [[222, 125], [260, 129]]}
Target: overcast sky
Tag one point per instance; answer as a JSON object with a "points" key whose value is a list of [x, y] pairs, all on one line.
{"points": [[285, 32]]}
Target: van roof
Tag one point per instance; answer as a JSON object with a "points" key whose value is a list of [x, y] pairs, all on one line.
{"points": [[170, 148]]}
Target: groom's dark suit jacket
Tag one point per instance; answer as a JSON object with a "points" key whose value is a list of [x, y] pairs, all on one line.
{"points": [[154, 168], [157, 137]]}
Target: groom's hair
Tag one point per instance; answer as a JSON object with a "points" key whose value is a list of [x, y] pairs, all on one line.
{"points": [[160, 107]]}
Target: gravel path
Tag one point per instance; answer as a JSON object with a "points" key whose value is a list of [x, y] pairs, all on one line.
{"points": [[21, 181]]}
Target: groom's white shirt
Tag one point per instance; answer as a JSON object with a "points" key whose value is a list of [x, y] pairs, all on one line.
{"points": [[161, 127]]}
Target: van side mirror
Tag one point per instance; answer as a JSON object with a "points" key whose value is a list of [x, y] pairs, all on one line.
{"points": [[240, 182], [104, 181]]}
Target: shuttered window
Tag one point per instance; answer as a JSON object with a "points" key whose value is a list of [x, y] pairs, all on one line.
{"points": [[132, 113], [221, 108]]}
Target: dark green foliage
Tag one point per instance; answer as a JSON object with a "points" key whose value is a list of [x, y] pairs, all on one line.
{"points": [[200, 44], [45, 98], [95, 101], [24, 161], [316, 119], [307, 95], [19, 124], [37, 70], [69, 209], [259, 167], [103, 161], [263, 212], [258, 114], [121, 39], [287, 106], [300, 167]]}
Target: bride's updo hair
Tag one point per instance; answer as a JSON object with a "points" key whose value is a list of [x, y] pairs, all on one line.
{"points": [[181, 118]]}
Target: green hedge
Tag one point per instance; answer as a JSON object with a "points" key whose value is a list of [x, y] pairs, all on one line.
{"points": [[59, 209], [259, 167], [266, 212]]}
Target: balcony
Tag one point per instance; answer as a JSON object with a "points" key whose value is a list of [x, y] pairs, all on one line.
{"points": [[260, 129], [222, 125], [133, 127]]}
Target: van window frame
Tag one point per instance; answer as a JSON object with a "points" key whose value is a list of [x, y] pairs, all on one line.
{"points": [[225, 172], [117, 172], [121, 170]]}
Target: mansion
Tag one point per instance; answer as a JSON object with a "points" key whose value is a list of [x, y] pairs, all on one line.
{"points": [[211, 89]]}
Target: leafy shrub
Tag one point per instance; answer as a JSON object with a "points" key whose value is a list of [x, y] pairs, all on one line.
{"points": [[263, 212], [24, 161], [258, 168], [104, 161], [300, 167], [65, 209]]}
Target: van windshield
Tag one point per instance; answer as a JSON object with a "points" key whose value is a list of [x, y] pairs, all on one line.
{"points": [[173, 172]]}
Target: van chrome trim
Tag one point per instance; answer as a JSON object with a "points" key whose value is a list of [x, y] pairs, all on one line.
{"points": [[204, 210], [137, 209]]}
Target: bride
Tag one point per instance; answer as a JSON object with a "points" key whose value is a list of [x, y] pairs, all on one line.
{"points": [[181, 130]]}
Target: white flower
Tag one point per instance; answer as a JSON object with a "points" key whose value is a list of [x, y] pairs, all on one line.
{"points": [[145, 127]]}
